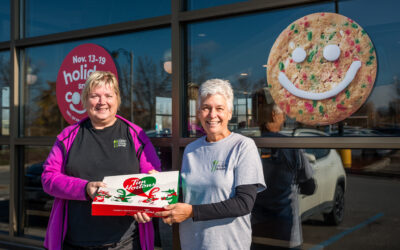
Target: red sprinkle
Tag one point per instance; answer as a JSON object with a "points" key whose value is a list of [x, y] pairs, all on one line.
{"points": [[358, 47], [306, 24], [305, 18], [293, 101], [347, 32], [287, 108], [309, 107], [326, 115], [369, 78], [291, 60], [350, 41], [304, 76], [340, 107], [336, 63], [346, 54], [322, 14], [350, 20]]}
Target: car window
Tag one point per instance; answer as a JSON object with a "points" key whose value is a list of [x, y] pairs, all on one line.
{"points": [[318, 152]]}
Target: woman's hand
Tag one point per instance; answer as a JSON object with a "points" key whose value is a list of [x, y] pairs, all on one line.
{"points": [[176, 213], [141, 217], [152, 171], [93, 186]]}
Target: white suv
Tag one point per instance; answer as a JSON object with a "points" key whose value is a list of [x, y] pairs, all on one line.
{"points": [[330, 179]]}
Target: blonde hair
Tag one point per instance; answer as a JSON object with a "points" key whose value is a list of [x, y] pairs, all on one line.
{"points": [[100, 79], [216, 86]]}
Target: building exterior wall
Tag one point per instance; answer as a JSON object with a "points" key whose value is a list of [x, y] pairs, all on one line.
{"points": [[162, 55]]}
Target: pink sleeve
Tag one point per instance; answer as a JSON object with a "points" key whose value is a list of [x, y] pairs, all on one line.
{"points": [[149, 158], [56, 183]]}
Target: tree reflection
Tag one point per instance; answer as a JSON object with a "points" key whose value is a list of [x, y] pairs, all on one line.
{"points": [[150, 81], [4, 71], [49, 119]]}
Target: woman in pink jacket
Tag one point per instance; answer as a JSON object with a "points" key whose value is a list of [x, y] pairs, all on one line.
{"points": [[103, 144]]}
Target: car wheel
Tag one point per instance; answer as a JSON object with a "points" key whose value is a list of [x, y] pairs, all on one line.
{"points": [[335, 217]]}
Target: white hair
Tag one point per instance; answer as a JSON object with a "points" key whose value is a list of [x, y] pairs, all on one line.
{"points": [[216, 86]]}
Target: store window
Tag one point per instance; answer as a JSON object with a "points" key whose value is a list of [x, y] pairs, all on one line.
{"points": [[4, 188], [5, 11], [36, 203], [5, 93], [273, 223], [381, 23], [241, 59], [200, 4], [239, 55], [47, 17], [142, 61]]}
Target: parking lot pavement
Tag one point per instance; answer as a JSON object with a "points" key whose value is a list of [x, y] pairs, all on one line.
{"points": [[371, 221]]}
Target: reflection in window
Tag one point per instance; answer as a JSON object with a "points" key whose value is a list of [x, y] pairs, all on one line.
{"points": [[5, 93], [200, 4], [163, 116], [283, 168], [37, 204], [145, 84], [47, 17], [4, 187], [380, 115], [239, 55], [5, 10]]}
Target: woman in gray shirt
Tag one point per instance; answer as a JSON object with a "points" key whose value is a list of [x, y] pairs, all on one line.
{"points": [[221, 175]]}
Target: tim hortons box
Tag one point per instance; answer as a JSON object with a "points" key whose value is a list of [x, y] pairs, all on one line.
{"points": [[129, 194]]}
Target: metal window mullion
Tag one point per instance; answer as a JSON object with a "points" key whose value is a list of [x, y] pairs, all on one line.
{"points": [[5, 45], [100, 31], [177, 81], [245, 7], [177, 96], [14, 103], [320, 142], [329, 142]]}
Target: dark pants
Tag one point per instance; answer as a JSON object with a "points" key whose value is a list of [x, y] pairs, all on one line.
{"points": [[128, 244]]}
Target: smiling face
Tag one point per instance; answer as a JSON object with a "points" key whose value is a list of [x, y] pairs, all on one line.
{"points": [[214, 116], [321, 68], [102, 106]]}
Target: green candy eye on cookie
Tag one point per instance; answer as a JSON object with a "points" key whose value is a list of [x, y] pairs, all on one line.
{"points": [[321, 68]]}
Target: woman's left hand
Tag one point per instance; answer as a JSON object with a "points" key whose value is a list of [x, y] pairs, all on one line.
{"points": [[176, 213], [142, 217], [152, 171]]}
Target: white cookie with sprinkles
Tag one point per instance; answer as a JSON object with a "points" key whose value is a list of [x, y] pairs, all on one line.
{"points": [[321, 68]]}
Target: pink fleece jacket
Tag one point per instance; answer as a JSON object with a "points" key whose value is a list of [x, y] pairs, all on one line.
{"points": [[63, 187]]}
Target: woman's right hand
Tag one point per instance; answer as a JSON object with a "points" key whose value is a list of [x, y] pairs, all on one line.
{"points": [[176, 213], [93, 186]]}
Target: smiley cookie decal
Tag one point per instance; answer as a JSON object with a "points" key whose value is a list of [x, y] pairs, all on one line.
{"points": [[321, 69]]}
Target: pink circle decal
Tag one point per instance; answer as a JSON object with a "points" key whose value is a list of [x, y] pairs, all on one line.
{"points": [[75, 69]]}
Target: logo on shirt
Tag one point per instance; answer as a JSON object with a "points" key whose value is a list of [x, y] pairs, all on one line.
{"points": [[217, 165], [118, 143]]}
